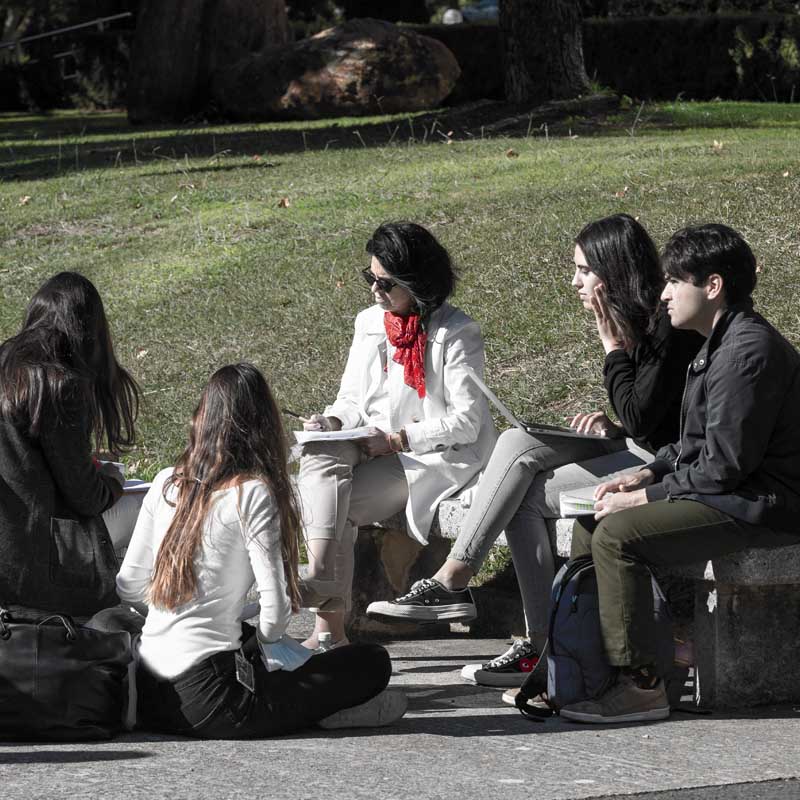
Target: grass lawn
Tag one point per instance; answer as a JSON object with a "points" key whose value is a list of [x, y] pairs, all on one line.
{"points": [[213, 244]]}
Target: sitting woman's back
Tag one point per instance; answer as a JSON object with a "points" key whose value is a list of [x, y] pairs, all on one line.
{"points": [[241, 544], [226, 517], [62, 394]]}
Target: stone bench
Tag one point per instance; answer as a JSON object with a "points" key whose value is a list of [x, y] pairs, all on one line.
{"points": [[746, 606]]}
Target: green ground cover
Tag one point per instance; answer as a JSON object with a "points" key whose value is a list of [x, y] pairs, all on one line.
{"points": [[200, 262]]}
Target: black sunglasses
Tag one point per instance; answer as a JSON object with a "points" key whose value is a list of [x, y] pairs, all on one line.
{"points": [[384, 284]]}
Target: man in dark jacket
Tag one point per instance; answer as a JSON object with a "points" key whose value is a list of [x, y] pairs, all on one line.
{"points": [[731, 482]]}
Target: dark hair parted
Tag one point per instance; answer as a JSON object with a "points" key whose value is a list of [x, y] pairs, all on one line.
{"points": [[63, 359], [416, 261], [236, 435], [695, 252], [621, 253]]}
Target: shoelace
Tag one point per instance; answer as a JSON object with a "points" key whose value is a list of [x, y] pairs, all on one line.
{"points": [[519, 648], [418, 588]]}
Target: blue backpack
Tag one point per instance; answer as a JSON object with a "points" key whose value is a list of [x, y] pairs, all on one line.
{"points": [[577, 667]]}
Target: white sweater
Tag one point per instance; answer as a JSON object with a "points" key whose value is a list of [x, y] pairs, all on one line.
{"points": [[240, 545]]}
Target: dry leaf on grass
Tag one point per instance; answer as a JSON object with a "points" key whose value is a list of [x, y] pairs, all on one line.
{"points": [[284, 202], [24, 200], [622, 192]]}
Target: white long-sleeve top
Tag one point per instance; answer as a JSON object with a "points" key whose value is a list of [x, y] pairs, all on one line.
{"points": [[241, 544]]}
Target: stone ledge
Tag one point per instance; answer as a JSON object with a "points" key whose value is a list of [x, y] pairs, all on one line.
{"points": [[755, 567]]}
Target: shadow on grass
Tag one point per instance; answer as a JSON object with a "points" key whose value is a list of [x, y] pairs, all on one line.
{"points": [[34, 148]]}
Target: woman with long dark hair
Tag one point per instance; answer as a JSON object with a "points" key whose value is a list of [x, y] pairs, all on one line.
{"points": [[63, 396], [223, 518], [407, 379], [618, 278]]}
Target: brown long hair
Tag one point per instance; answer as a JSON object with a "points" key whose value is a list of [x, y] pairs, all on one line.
{"points": [[236, 435], [63, 359]]}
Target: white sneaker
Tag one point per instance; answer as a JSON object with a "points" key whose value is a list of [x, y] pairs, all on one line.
{"points": [[384, 709]]}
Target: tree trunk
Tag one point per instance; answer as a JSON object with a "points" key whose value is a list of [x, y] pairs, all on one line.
{"points": [[180, 44], [542, 50]]}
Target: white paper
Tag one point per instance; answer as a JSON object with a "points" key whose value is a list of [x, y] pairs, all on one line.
{"points": [[303, 437], [577, 502]]}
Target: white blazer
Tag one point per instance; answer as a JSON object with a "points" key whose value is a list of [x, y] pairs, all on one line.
{"points": [[450, 431]]}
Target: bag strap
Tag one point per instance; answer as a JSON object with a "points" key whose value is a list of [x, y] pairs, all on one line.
{"points": [[531, 688], [66, 621]]}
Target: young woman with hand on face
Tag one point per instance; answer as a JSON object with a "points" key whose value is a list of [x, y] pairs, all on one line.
{"points": [[618, 278]]}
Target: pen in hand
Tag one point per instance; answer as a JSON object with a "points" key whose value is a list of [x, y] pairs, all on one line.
{"points": [[294, 414]]}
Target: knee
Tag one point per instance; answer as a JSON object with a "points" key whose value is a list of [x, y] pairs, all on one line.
{"points": [[609, 538], [376, 666]]}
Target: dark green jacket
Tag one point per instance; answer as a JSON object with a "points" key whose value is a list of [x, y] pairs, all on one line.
{"points": [[55, 551]]}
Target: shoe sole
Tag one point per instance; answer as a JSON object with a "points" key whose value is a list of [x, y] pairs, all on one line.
{"points": [[383, 709], [637, 716], [457, 612], [496, 679]]}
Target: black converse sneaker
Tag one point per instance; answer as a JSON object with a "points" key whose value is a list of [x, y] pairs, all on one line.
{"points": [[509, 669], [427, 601]]}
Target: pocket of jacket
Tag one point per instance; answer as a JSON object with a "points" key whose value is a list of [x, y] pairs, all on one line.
{"points": [[72, 558]]}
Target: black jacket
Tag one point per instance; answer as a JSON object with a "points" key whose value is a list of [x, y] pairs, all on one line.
{"points": [[645, 386], [739, 448], [55, 551]]}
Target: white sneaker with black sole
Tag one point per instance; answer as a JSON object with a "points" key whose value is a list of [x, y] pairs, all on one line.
{"points": [[427, 601], [509, 669]]}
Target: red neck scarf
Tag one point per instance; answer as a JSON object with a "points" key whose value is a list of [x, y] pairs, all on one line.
{"points": [[408, 339]]}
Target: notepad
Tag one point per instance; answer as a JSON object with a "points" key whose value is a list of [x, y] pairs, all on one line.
{"points": [[303, 437], [577, 502]]}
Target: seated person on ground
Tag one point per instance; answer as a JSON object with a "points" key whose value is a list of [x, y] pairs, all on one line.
{"points": [[405, 377], [731, 481], [618, 278], [62, 395], [225, 517]]}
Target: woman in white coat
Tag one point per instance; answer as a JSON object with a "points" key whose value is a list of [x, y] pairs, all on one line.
{"points": [[405, 378]]}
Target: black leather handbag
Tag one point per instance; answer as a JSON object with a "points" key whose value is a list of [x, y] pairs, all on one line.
{"points": [[60, 681]]}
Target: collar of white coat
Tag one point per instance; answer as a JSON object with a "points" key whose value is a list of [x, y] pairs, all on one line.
{"points": [[437, 327]]}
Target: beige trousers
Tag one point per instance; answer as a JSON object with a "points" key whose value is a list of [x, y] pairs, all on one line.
{"points": [[340, 488]]}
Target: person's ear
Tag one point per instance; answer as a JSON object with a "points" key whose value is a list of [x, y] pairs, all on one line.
{"points": [[715, 286]]}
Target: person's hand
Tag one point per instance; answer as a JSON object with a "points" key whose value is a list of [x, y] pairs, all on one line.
{"points": [[607, 329], [319, 422], [618, 501], [630, 482], [110, 469], [597, 423], [376, 444]]}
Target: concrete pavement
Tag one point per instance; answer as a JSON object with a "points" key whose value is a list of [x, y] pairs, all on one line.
{"points": [[457, 741]]}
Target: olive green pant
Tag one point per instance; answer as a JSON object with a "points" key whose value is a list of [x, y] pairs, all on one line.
{"points": [[663, 533]]}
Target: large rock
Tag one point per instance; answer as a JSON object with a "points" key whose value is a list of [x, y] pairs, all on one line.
{"points": [[180, 44], [364, 66]]}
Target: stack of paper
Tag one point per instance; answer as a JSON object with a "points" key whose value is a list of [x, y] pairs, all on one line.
{"points": [[577, 502]]}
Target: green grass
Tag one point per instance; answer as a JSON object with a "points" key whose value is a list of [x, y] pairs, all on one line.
{"points": [[182, 232]]}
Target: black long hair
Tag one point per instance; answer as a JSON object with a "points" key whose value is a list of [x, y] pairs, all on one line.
{"points": [[416, 261], [63, 356], [236, 435], [621, 253]]}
